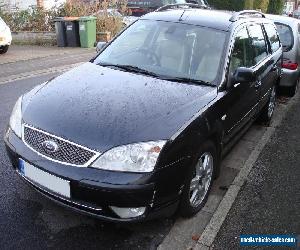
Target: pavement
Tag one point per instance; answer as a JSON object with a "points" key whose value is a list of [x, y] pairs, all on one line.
{"points": [[30, 221], [17, 53], [269, 202], [28, 61]]}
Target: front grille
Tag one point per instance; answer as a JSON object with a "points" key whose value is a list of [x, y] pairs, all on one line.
{"points": [[66, 152]]}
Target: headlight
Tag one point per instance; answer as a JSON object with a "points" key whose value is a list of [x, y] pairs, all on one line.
{"points": [[16, 118], [139, 157]]}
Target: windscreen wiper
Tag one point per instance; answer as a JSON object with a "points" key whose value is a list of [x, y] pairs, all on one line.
{"points": [[130, 68], [188, 80]]}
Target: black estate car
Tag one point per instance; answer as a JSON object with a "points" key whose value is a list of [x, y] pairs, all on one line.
{"points": [[140, 130]]}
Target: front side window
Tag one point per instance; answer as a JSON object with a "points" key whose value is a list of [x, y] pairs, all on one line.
{"points": [[168, 49], [273, 37], [242, 54], [286, 36], [258, 43]]}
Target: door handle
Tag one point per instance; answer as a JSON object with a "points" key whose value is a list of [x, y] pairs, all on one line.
{"points": [[275, 68], [257, 84]]}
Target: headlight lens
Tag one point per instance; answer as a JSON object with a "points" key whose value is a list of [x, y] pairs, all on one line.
{"points": [[139, 157], [16, 118]]}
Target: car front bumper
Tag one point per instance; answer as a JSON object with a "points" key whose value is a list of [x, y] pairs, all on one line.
{"points": [[95, 191], [289, 77]]}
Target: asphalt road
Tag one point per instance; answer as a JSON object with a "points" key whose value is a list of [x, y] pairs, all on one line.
{"points": [[269, 202], [30, 221]]}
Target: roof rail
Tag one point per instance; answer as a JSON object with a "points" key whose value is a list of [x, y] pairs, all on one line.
{"points": [[237, 15], [181, 6]]}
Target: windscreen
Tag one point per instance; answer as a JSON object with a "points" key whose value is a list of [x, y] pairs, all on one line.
{"points": [[168, 49]]}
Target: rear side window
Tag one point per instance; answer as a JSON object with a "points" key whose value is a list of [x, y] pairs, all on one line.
{"points": [[273, 37], [258, 43], [286, 36]]}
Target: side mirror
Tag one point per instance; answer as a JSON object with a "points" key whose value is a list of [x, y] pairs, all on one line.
{"points": [[244, 75], [100, 46]]}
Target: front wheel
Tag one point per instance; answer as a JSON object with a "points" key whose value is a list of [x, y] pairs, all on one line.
{"points": [[268, 110], [199, 181], [4, 49]]}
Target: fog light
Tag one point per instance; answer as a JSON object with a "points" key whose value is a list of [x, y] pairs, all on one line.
{"points": [[127, 212]]}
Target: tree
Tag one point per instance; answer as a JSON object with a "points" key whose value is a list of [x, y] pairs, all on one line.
{"points": [[261, 5], [219, 4], [276, 7], [235, 5], [249, 4], [238, 5]]}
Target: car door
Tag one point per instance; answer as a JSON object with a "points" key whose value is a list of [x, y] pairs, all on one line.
{"points": [[241, 98], [266, 62]]}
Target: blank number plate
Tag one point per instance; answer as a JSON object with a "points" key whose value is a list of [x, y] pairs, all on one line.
{"points": [[44, 179]]}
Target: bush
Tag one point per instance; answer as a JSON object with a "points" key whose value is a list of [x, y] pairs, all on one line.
{"points": [[249, 4], [30, 20], [235, 5], [276, 7], [270, 6], [261, 5], [41, 20]]}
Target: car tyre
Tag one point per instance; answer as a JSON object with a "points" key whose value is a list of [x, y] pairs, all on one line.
{"points": [[291, 91], [4, 49], [199, 180], [267, 112]]}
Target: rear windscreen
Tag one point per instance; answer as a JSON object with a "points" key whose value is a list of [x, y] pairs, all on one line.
{"points": [[286, 36]]}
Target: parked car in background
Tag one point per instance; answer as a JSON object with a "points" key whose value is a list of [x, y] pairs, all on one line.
{"points": [[139, 131], [5, 37], [199, 2], [296, 14], [142, 7], [111, 12], [288, 29]]}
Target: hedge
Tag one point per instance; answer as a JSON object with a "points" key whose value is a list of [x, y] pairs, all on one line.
{"points": [[39, 20], [270, 6]]}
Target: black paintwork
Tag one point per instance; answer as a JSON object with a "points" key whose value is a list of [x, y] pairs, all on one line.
{"points": [[200, 17], [94, 100], [102, 108]]}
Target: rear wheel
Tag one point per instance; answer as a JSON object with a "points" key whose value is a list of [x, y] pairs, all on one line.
{"points": [[291, 91], [199, 181], [268, 110], [4, 49]]}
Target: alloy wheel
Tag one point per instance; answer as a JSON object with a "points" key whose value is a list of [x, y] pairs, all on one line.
{"points": [[203, 177], [272, 102]]}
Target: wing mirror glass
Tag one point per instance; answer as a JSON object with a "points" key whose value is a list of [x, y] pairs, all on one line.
{"points": [[100, 46]]}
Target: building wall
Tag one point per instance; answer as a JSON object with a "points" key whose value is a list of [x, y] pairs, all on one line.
{"points": [[48, 4], [19, 4], [12, 5]]}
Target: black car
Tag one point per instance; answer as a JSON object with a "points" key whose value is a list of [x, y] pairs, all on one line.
{"points": [[140, 131]]}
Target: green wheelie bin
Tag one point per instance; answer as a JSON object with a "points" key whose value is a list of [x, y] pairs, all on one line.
{"points": [[87, 31]]}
